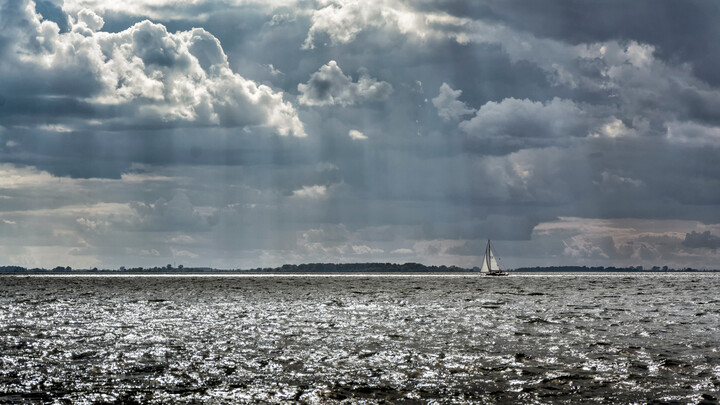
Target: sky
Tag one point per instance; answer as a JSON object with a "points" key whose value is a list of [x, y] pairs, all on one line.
{"points": [[249, 133]]}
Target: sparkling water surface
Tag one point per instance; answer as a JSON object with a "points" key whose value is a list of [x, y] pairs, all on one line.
{"points": [[602, 338]]}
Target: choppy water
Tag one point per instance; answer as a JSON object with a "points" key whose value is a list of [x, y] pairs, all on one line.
{"points": [[360, 339]]}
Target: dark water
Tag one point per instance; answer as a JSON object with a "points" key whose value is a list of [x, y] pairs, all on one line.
{"points": [[360, 339]]}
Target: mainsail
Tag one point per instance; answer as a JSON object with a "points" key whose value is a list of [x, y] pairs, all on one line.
{"points": [[489, 264]]}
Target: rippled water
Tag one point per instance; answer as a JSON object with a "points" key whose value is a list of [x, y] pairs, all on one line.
{"points": [[360, 339]]}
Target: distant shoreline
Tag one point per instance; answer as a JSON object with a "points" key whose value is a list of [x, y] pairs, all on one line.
{"points": [[345, 268]]}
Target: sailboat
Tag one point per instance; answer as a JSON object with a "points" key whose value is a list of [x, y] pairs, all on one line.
{"points": [[490, 266]]}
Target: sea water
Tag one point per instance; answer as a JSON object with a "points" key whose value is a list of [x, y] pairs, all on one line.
{"points": [[454, 339]]}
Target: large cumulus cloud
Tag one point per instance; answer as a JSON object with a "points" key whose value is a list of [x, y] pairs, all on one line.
{"points": [[143, 76]]}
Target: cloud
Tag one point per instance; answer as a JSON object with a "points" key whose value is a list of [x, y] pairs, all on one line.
{"points": [[356, 135], [691, 133], [448, 105], [334, 242], [514, 124], [705, 239], [181, 239], [330, 234], [142, 77], [630, 241], [88, 22], [178, 214], [615, 129], [624, 71], [316, 192], [12, 177], [365, 250], [341, 21], [330, 86], [183, 253], [672, 28], [588, 247]]}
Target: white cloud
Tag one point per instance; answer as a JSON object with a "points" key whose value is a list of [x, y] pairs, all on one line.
{"points": [[88, 20], [614, 129], [273, 71], [330, 86], [342, 20], [640, 55], [12, 177], [513, 118], [143, 177], [356, 135], [311, 192], [365, 250], [183, 253], [55, 128], [181, 239], [152, 76], [448, 105], [95, 225]]}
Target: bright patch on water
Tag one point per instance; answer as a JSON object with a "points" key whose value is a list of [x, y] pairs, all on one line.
{"points": [[359, 339]]}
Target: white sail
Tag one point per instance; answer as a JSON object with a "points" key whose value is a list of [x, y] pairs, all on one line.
{"points": [[485, 268], [489, 264], [493, 263]]}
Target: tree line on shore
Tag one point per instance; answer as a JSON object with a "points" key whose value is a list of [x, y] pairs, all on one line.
{"points": [[345, 268]]}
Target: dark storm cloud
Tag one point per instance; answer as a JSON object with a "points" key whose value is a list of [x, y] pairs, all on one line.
{"points": [[22, 109], [494, 226], [485, 72], [677, 28], [85, 154], [701, 240]]}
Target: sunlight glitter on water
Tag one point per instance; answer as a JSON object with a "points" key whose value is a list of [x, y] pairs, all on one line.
{"points": [[358, 338]]}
